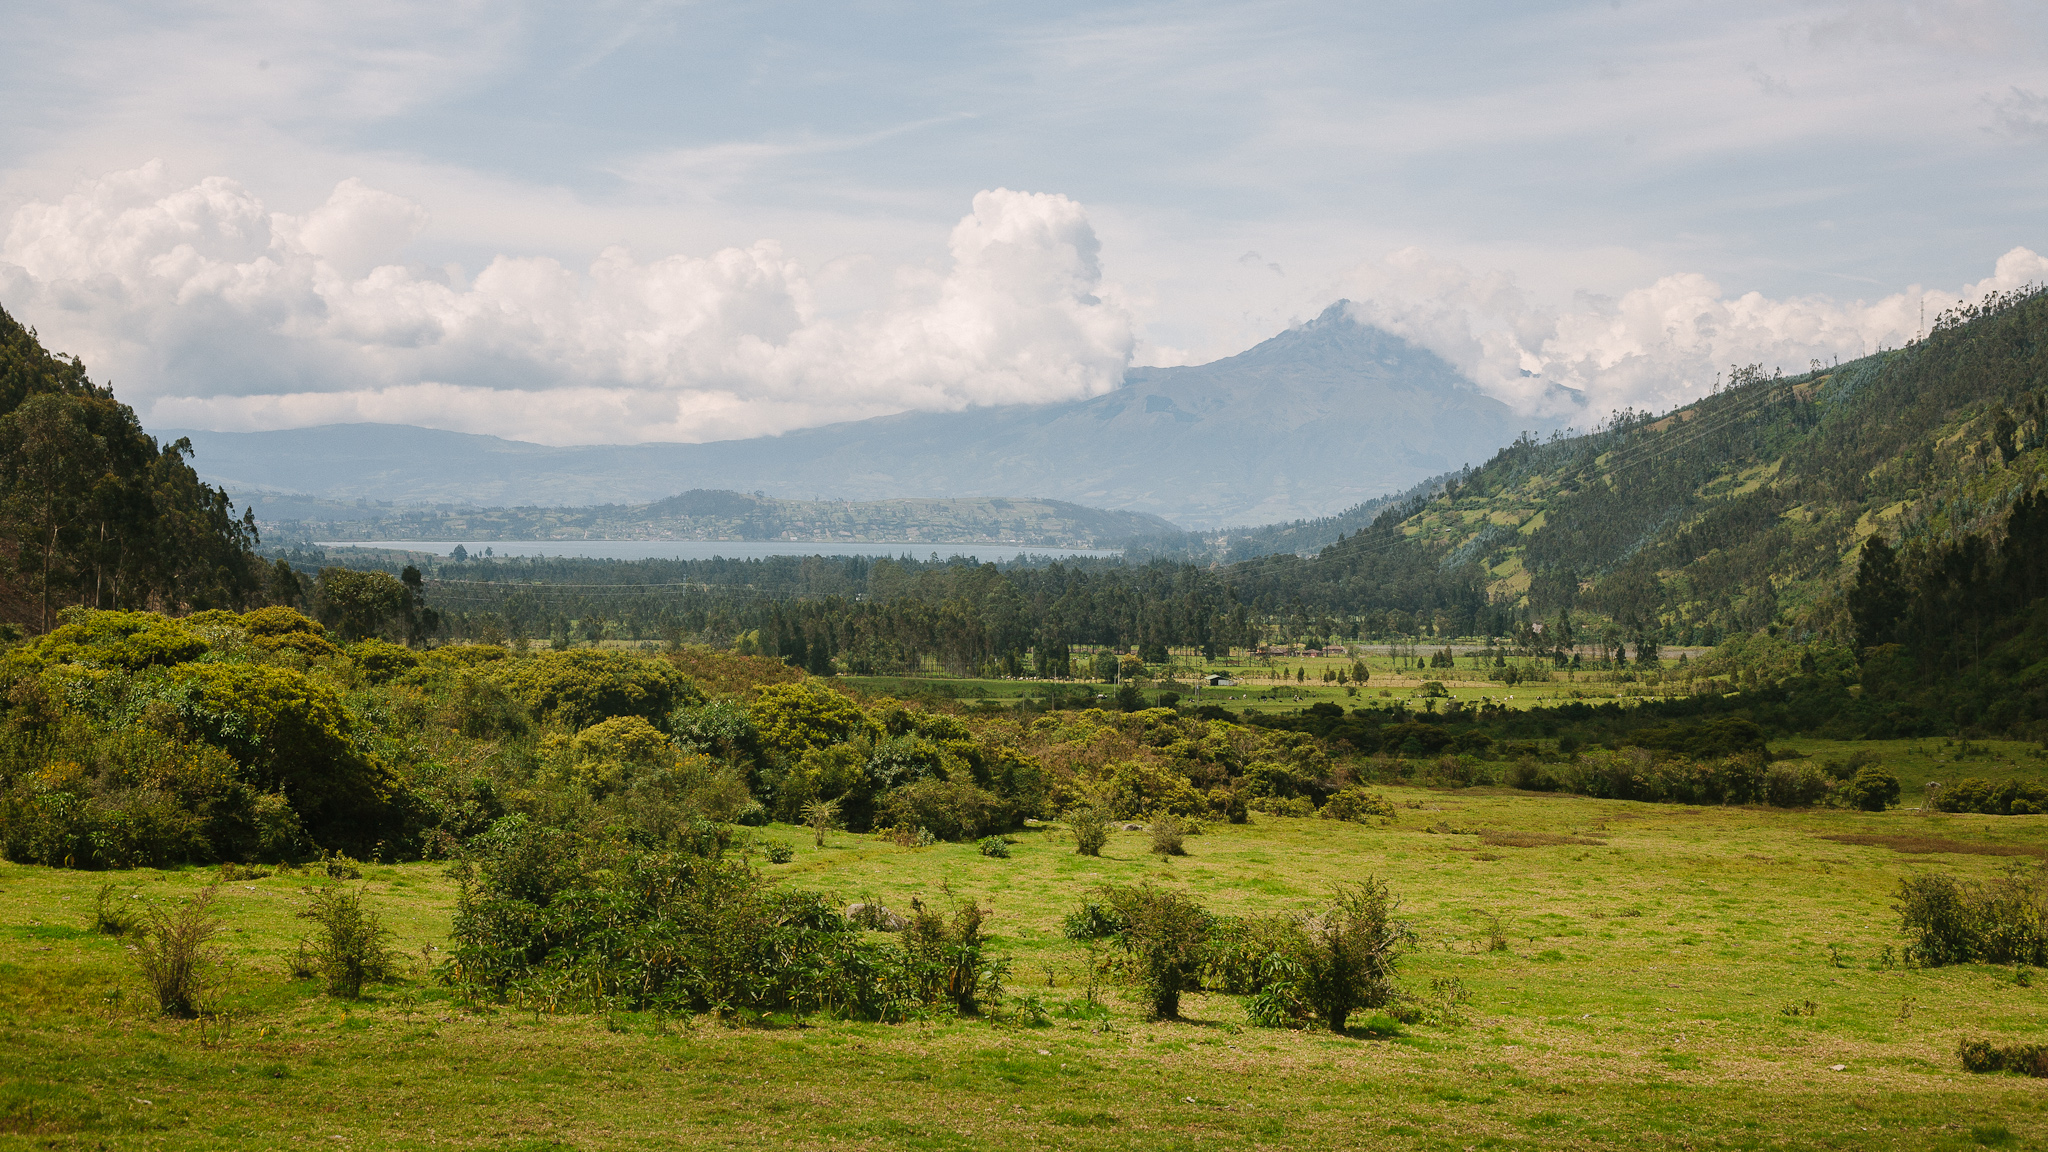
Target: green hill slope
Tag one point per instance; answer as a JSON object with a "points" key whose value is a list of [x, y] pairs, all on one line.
{"points": [[1739, 513], [94, 511]]}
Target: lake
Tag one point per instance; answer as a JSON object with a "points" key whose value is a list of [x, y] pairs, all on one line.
{"points": [[707, 549]]}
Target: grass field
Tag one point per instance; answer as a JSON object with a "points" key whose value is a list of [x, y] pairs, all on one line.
{"points": [[1654, 957]]}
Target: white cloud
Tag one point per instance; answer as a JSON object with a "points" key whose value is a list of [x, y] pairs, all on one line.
{"points": [[1651, 348], [209, 309]]}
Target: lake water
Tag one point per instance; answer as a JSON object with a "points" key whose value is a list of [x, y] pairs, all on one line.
{"points": [[707, 549]]}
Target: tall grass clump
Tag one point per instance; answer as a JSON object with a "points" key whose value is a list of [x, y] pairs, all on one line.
{"points": [[110, 917], [177, 955], [353, 947]]}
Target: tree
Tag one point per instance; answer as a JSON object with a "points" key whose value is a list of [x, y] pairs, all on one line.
{"points": [[1878, 600], [54, 465], [359, 604], [286, 588]]}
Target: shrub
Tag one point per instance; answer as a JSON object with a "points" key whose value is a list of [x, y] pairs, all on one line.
{"points": [[950, 809], [1357, 804], [945, 957], [381, 661], [1348, 950], [1872, 789], [1947, 921], [295, 737], [1167, 833], [1789, 785], [1160, 948], [1229, 804], [579, 688], [126, 640], [1527, 775], [780, 853], [1984, 1056], [821, 816], [1091, 921], [543, 914], [994, 846], [1091, 830], [794, 718], [1298, 806], [482, 709], [177, 955], [2009, 798], [1239, 949], [353, 947]]}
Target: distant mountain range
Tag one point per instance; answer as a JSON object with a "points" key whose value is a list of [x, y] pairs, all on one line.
{"points": [[1317, 419], [702, 514]]}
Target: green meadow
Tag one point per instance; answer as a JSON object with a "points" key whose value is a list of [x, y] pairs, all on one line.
{"points": [[1632, 975]]}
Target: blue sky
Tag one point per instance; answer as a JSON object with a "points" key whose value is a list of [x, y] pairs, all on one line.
{"points": [[622, 221]]}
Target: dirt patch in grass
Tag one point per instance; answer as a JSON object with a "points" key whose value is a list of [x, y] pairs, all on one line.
{"points": [[1531, 839], [1899, 842]]}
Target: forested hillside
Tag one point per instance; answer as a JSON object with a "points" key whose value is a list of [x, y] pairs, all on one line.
{"points": [[95, 512]]}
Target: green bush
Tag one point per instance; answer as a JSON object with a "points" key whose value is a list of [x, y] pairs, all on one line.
{"points": [[1793, 785], [1161, 945], [1357, 804], [951, 809], [579, 688], [126, 640], [1168, 834], [2009, 798], [1947, 921], [283, 629], [177, 955], [994, 846], [1984, 1056], [381, 662], [353, 947], [1348, 950], [1873, 789], [293, 736], [792, 719], [946, 958], [1091, 830], [546, 915]]}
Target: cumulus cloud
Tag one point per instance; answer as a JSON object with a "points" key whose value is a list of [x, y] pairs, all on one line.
{"points": [[1653, 347], [208, 309]]}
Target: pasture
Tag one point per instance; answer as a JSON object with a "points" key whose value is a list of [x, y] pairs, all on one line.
{"points": [[1632, 975]]}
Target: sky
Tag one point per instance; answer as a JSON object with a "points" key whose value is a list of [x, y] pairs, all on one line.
{"points": [[610, 222]]}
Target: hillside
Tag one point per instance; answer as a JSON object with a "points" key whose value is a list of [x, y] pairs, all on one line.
{"points": [[1304, 425], [721, 515], [1744, 511], [93, 511]]}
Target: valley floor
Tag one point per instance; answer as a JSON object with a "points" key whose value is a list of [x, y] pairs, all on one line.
{"points": [[1672, 978]]}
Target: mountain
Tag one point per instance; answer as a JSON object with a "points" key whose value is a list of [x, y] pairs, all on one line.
{"points": [[1313, 421], [702, 514]]}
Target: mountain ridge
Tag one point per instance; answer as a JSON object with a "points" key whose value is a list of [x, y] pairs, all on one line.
{"points": [[1311, 421]]}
